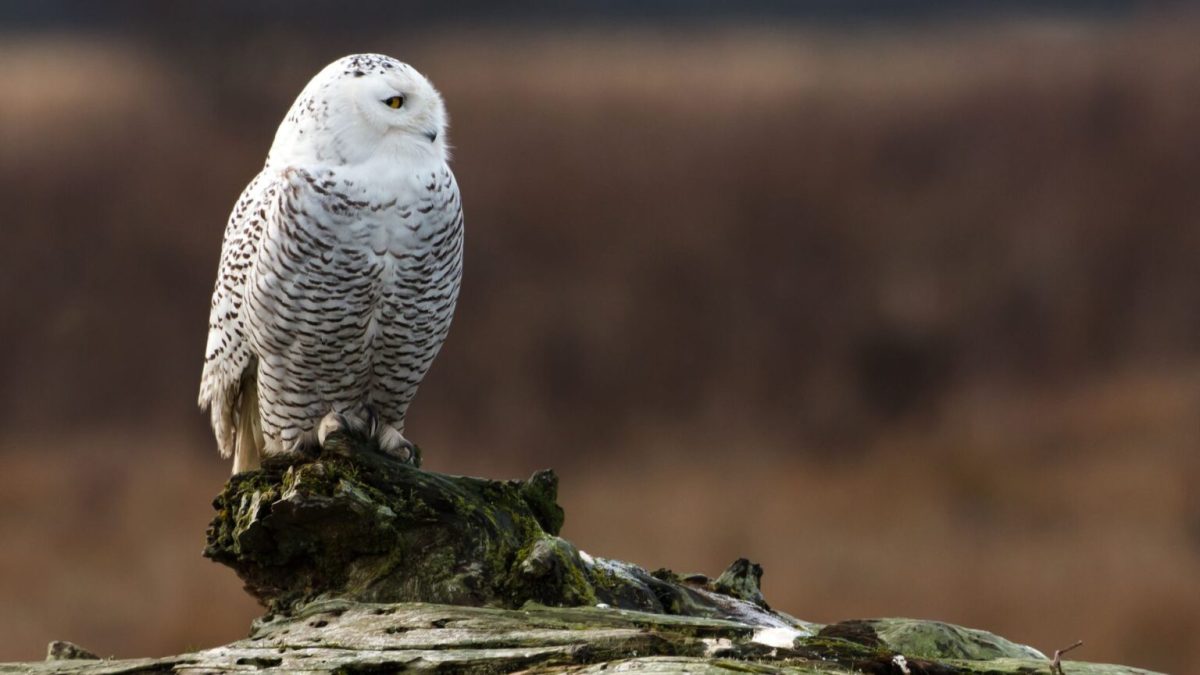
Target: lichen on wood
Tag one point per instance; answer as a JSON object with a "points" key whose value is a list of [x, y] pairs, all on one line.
{"points": [[341, 636]]}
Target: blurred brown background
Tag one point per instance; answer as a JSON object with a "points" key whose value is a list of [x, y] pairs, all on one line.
{"points": [[903, 305]]}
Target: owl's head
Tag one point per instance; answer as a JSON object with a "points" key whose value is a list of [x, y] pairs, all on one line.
{"points": [[361, 108]]}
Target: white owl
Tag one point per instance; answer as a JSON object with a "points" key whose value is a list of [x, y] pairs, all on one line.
{"points": [[340, 268]]}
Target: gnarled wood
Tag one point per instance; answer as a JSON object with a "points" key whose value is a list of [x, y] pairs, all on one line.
{"points": [[371, 566]]}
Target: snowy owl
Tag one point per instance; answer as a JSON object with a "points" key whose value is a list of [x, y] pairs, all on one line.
{"points": [[340, 268]]}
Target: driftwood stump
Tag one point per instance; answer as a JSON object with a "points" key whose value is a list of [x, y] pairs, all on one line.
{"points": [[367, 565], [377, 530]]}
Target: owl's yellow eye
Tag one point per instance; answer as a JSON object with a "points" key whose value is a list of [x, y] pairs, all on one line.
{"points": [[394, 102]]}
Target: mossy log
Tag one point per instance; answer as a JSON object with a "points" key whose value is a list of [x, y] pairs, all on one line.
{"points": [[377, 530], [373, 566]]}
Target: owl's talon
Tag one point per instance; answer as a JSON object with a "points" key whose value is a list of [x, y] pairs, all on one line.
{"points": [[393, 444], [372, 420], [357, 427], [333, 423]]}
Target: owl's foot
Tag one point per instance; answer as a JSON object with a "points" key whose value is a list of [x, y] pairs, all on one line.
{"points": [[330, 427], [393, 444], [343, 434], [346, 434], [277, 456]]}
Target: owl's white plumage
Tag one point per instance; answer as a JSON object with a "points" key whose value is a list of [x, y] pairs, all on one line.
{"points": [[340, 266]]}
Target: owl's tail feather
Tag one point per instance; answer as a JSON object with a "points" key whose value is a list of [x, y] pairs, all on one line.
{"points": [[248, 441]]}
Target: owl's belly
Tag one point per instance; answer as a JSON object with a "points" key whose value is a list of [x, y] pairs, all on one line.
{"points": [[374, 305], [411, 319]]}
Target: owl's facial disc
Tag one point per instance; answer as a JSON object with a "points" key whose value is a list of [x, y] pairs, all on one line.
{"points": [[399, 102]]}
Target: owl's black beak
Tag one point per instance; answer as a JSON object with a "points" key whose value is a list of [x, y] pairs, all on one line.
{"points": [[431, 135]]}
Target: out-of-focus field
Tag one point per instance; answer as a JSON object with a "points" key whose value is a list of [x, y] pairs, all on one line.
{"points": [[912, 318]]}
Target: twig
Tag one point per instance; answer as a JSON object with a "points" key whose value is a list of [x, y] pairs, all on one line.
{"points": [[1056, 664]]}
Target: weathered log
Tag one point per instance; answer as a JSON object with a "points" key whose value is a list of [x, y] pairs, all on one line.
{"points": [[378, 530], [345, 637], [371, 566]]}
